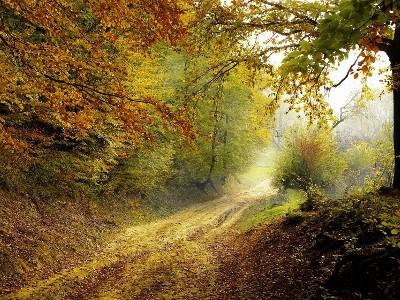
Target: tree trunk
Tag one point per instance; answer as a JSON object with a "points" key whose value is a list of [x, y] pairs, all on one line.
{"points": [[213, 151], [226, 151], [394, 55], [396, 125], [214, 141]]}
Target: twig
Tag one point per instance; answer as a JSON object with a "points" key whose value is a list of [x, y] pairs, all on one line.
{"points": [[348, 72]]}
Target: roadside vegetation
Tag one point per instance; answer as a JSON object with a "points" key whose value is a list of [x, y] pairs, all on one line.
{"points": [[272, 207], [334, 207]]}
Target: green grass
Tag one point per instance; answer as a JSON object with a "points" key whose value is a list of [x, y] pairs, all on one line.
{"points": [[270, 208]]}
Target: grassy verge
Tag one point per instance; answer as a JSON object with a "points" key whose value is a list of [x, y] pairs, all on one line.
{"points": [[271, 207]]}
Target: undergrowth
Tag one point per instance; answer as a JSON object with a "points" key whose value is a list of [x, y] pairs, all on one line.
{"points": [[271, 207]]}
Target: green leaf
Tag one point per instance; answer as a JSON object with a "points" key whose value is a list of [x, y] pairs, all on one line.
{"points": [[394, 231]]}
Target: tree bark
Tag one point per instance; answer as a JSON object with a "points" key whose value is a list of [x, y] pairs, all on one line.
{"points": [[226, 151], [396, 126], [214, 141], [394, 55], [396, 139]]}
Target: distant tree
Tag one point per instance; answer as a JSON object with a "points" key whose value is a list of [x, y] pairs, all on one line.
{"points": [[231, 126]]}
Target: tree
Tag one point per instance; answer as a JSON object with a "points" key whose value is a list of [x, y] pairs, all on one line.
{"points": [[65, 69], [231, 127], [313, 37], [366, 26], [74, 90]]}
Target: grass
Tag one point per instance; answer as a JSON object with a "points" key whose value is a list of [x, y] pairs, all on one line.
{"points": [[270, 208]]}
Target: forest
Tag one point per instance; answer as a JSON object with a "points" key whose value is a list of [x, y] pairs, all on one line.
{"points": [[208, 149]]}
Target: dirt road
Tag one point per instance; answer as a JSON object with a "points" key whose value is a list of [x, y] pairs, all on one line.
{"points": [[167, 259]]}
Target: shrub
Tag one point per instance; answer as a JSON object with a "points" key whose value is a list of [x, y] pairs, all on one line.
{"points": [[309, 157], [360, 158], [371, 164], [67, 173], [146, 171], [384, 160]]}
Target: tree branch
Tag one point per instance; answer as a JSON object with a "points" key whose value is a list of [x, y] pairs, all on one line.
{"points": [[86, 87], [295, 13], [76, 85], [348, 72], [344, 115]]}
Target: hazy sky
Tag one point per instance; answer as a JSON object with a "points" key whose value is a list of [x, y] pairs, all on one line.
{"points": [[338, 96], [341, 95]]}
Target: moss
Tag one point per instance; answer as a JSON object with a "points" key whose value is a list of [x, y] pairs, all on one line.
{"points": [[270, 208]]}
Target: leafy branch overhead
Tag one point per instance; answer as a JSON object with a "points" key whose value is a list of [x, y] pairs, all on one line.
{"points": [[65, 63], [311, 36]]}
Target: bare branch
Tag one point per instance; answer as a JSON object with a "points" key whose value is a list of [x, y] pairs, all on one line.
{"points": [[346, 110], [348, 72]]}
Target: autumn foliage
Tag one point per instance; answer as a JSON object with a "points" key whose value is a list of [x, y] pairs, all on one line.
{"points": [[104, 96], [64, 67]]}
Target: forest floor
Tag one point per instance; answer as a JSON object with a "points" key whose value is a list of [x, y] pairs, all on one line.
{"points": [[173, 258], [251, 243], [239, 246]]}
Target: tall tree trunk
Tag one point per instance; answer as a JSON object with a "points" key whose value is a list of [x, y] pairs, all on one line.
{"points": [[213, 152], [226, 152], [214, 141], [396, 123], [394, 55]]}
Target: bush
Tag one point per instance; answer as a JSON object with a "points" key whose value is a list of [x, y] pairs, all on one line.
{"points": [[371, 164], [146, 171], [309, 157], [384, 160], [68, 173], [360, 158]]}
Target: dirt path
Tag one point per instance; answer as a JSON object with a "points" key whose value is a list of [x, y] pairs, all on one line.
{"points": [[167, 259]]}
